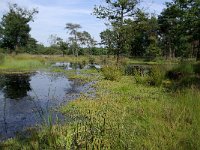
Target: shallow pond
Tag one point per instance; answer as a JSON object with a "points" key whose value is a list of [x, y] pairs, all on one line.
{"points": [[26, 99]]}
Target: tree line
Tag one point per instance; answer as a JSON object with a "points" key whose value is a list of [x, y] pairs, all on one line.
{"points": [[15, 36], [130, 32], [133, 32]]}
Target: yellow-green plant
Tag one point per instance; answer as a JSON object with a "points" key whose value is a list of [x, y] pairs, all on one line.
{"points": [[112, 73]]}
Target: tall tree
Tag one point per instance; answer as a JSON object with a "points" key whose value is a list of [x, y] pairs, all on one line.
{"points": [[169, 28], [193, 22], [108, 39], [14, 27], [63, 46], [116, 11], [86, 39], [138, 34], [73, 31], [52, 40], [180, 28]]}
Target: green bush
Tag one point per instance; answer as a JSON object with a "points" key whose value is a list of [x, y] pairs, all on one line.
{"points": [[157, 75], [2, 58], [197, 68], [188, 82], [104, 59], [2, 50], [140, 79], [185, 68], [91, 60], [180, 71], [112, 73]]}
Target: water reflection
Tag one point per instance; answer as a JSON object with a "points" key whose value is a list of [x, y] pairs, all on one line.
{"points": [[24, 98], [76, 65], [133, 69], [15, 86]]}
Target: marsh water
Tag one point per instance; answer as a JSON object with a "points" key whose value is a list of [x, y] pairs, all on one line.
{"points": [[28, 99]]}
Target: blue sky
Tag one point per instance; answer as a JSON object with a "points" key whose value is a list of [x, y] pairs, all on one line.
{"points": [[54, 14]]}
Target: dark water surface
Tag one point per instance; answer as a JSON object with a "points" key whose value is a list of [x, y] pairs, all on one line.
{"points": [[26, 99]]}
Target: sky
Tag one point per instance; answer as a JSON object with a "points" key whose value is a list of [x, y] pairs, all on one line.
{"points": [[54, 14]]}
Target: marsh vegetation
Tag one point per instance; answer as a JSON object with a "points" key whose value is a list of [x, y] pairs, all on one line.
{"points": [[140, 90]]}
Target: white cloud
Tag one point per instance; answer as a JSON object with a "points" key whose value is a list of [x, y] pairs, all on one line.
{"points": [[52, 19], [53, 15]]}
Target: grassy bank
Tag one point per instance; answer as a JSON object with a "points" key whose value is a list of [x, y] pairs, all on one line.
{"points": [[20, 63], [123, 115], [29, 62]]}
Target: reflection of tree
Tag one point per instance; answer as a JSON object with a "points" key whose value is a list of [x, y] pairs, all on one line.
{"points": [[4, 116], [16, 86], [2, 81]]}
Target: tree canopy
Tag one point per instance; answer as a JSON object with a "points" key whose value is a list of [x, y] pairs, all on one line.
{"points": [[14, 27]]}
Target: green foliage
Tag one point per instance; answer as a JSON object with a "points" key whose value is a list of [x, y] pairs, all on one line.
{"points": [[49, 51], [141, 79], [153, 50], [109, 38], [122, 115], [185, 68], [188, 82], [125, 117], [2, 50], [2, 58], [18, 64], [197, 68], [91, 60], [73, 29], [157, 75], [116, 13], [184, 75], [112, 73], [15, 28]]}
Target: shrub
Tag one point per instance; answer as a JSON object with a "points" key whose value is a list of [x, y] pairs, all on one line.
{"points": [[112, 73], [182, 70], [189, 82], [140, 79], [104, 60], [130, 70], [91, 60], [197, 68], [2, 58], [157, 74], [2, 50]]}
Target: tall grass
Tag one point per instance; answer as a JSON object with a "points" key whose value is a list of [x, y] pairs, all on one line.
{"points": [[15, 63], [136, 117], [2, 58], [123, 115], [112, 73]]}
